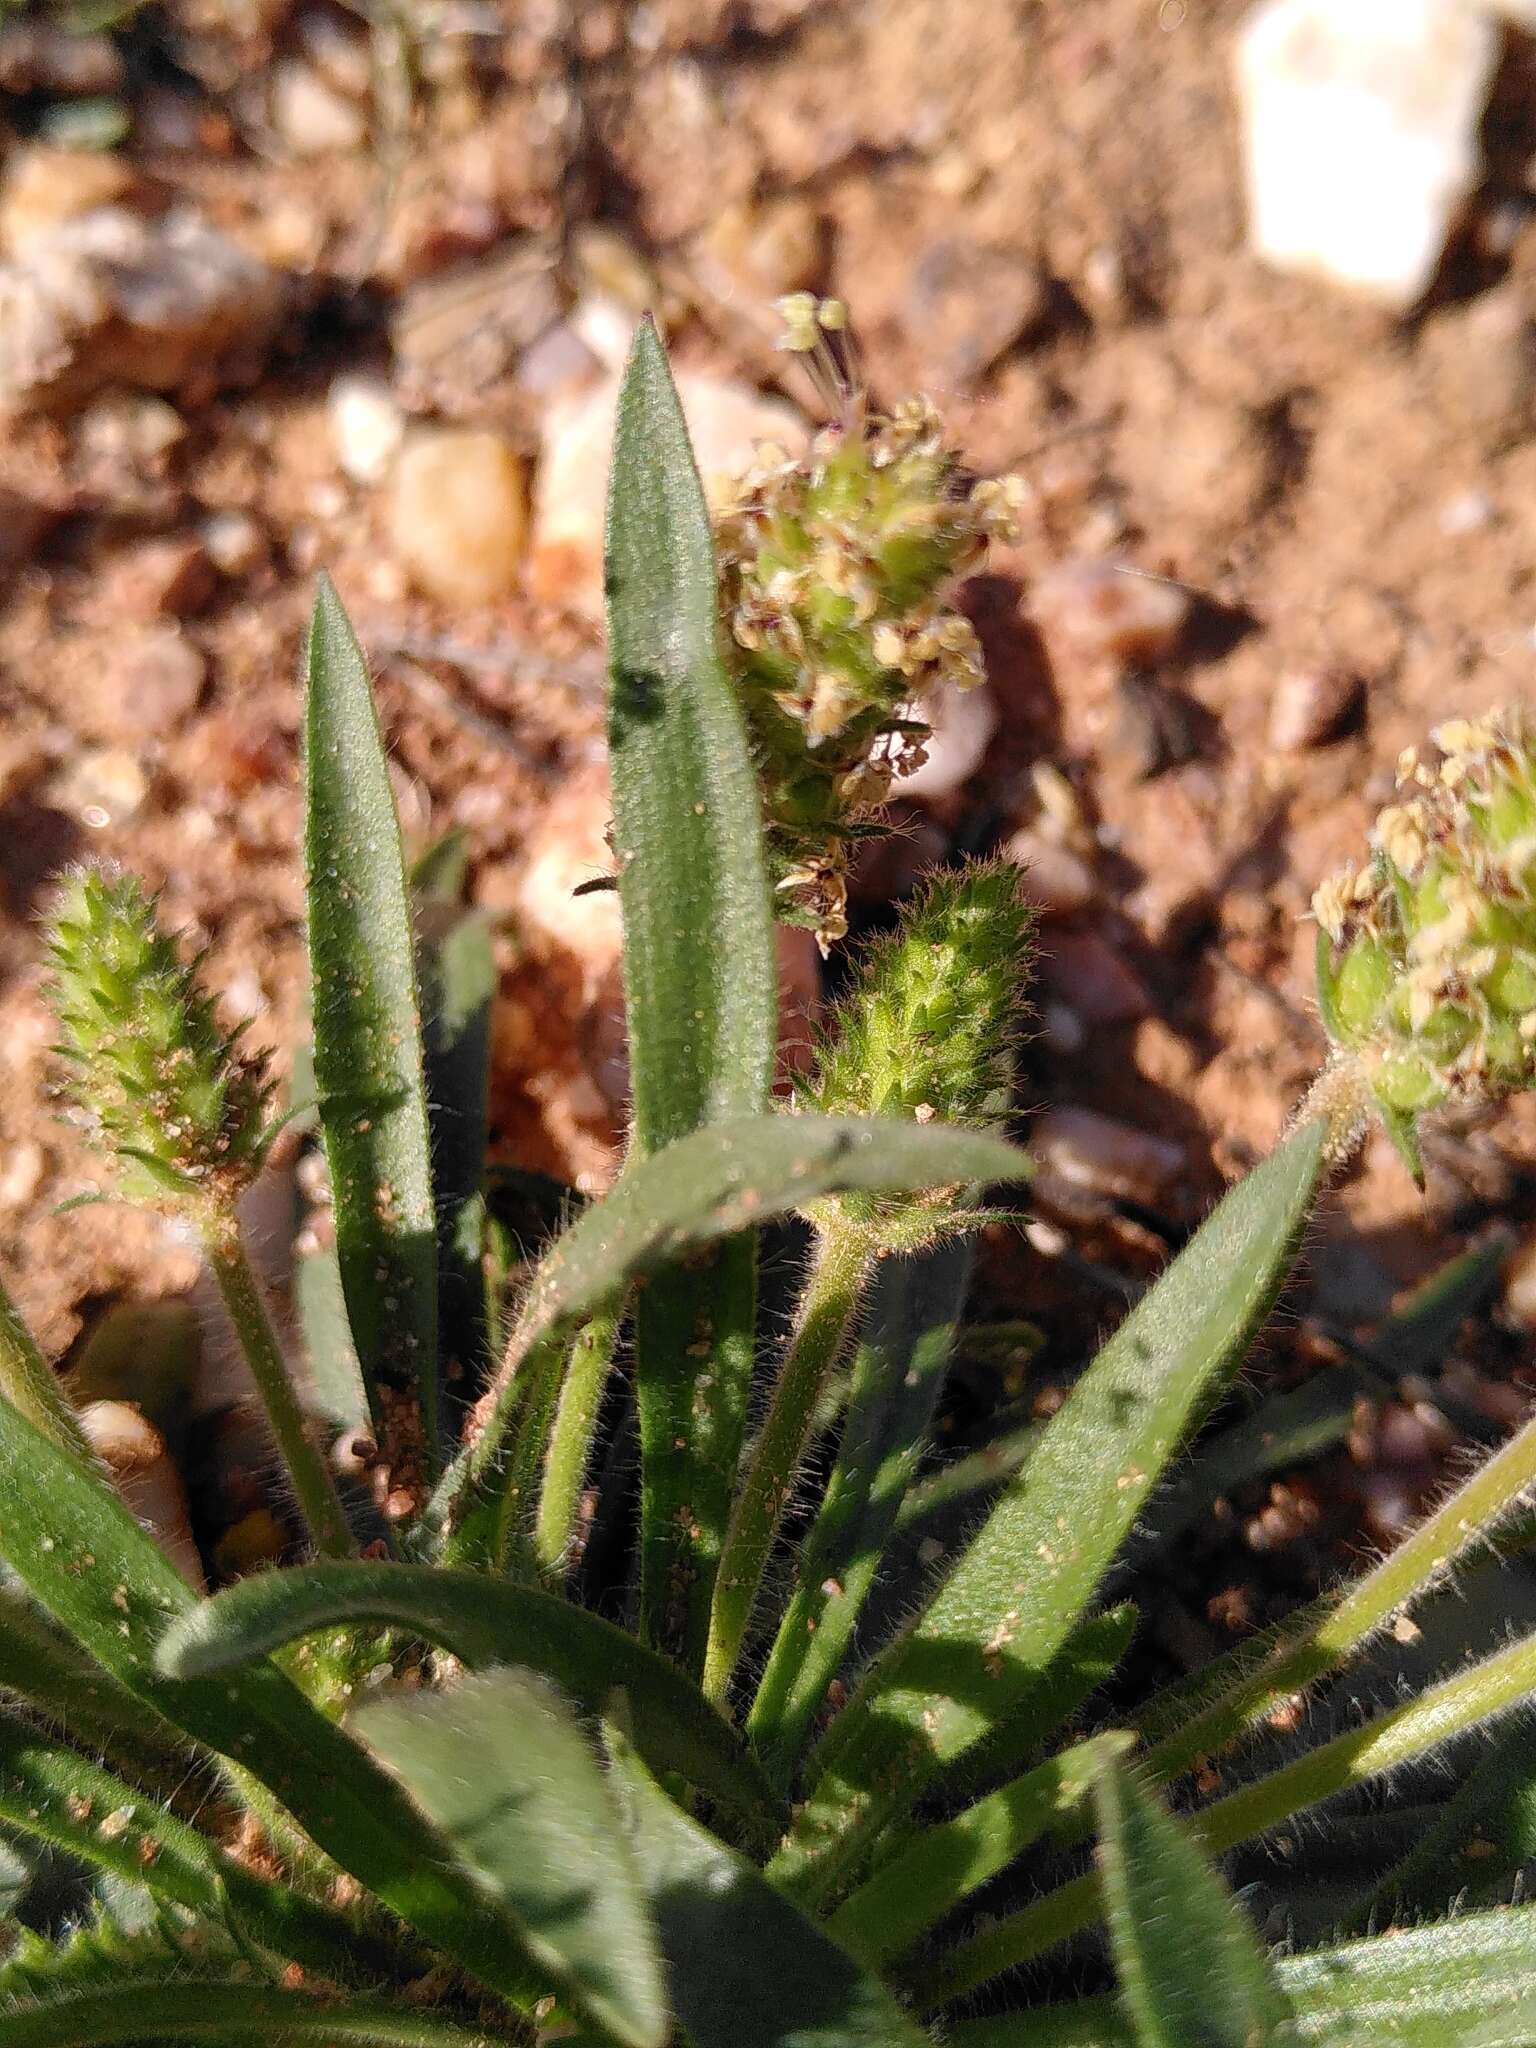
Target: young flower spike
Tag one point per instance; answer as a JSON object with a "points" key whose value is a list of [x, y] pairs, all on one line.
{"points": [[929, 1026], [1427, 956], [178, 1107], [833, 572]]}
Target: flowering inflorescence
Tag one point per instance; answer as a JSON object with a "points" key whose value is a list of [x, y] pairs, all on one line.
{"points": [[834, 570], [1427, 955], [178, 1106]]}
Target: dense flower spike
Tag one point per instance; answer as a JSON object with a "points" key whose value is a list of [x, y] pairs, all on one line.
{"points": [[834, 568], [1427, 956], [177, 1104], [929, 1026]]}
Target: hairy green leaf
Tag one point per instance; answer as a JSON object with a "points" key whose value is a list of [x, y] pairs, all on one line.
{"points": [[700, 973], [914, 1306], [745, 1969], [738, 1172], [482, 1621], [1191, 1967], [943, 1864], [89, 1563], [1464, 1983], [1016, 1593], [179, 2007], [500, 1767], [700, 983], [458, 985], [368, 1048]]}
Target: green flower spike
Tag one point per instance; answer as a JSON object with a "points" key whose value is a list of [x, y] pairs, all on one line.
{"points": [[181, 1111], [833, 573], [1427, 956], [929, 1027]]}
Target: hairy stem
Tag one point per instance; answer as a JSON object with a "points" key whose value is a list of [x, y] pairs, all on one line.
{"points": [[313, 1486], [838, 1273], [1397, 1737], [28, 1382], [570, 1443], [1201, 1721]]}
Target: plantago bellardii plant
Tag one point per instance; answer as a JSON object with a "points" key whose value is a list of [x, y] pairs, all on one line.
{"points": [[757, 1814]]}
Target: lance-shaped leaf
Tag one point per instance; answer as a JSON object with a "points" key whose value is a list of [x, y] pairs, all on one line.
{"points": [[1191, 1967], [700, 975], [1015, 1595], [745, 1969], [368, 1049], [914, 1306], [738, 1172], [482, 1621], [501, 1768], [1464, 1983], [86, 1560]]}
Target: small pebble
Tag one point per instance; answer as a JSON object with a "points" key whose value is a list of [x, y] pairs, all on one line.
{"points": [[311, 117], [1360, 130], [1520, 1283], [103, 787], [1084, 971], [169, 578], [154, 680], [145, 1476], [761, 251], [970, 302], [1055, 879], [1103, 1156], [1108, 609], [45, 185], [458, 515], [963, 723], [235, 542], [367, 427], [1311, 705]]}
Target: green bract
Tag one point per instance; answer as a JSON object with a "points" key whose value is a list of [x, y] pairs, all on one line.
{"points": [[815, 1745], [1427, 956]]}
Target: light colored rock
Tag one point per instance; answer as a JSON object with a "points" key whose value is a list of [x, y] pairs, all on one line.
{"points": [[1310, 705], [458, 515], [235, 542], [171, 577], [1360, 123], [367, 427], [759, 250], [102, 786], [110, 299], [1108, 609], [145, 1476], [1101, 1156], [963, 723], [1056, 880], [726, 421], [44, 186], [310, 115]]}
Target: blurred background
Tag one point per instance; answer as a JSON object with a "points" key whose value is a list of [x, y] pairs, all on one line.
{"points": [[1245, 293]]}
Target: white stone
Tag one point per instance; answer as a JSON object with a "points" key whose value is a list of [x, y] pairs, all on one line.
{"points": [[726, 421], [458, 514], [367, 427], [1361, 134], [963, 723], [310, 115]]}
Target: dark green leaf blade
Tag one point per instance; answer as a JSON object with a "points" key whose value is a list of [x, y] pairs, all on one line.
{"points": [[914, 1307], [483, 1621], [700, 982], [177, 2007], [1029, 1574], [700, 972], [745, 1968], [368, 1047], [1464, 1983], [84, 1558], [500, 1767], [1191, 1967]]}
